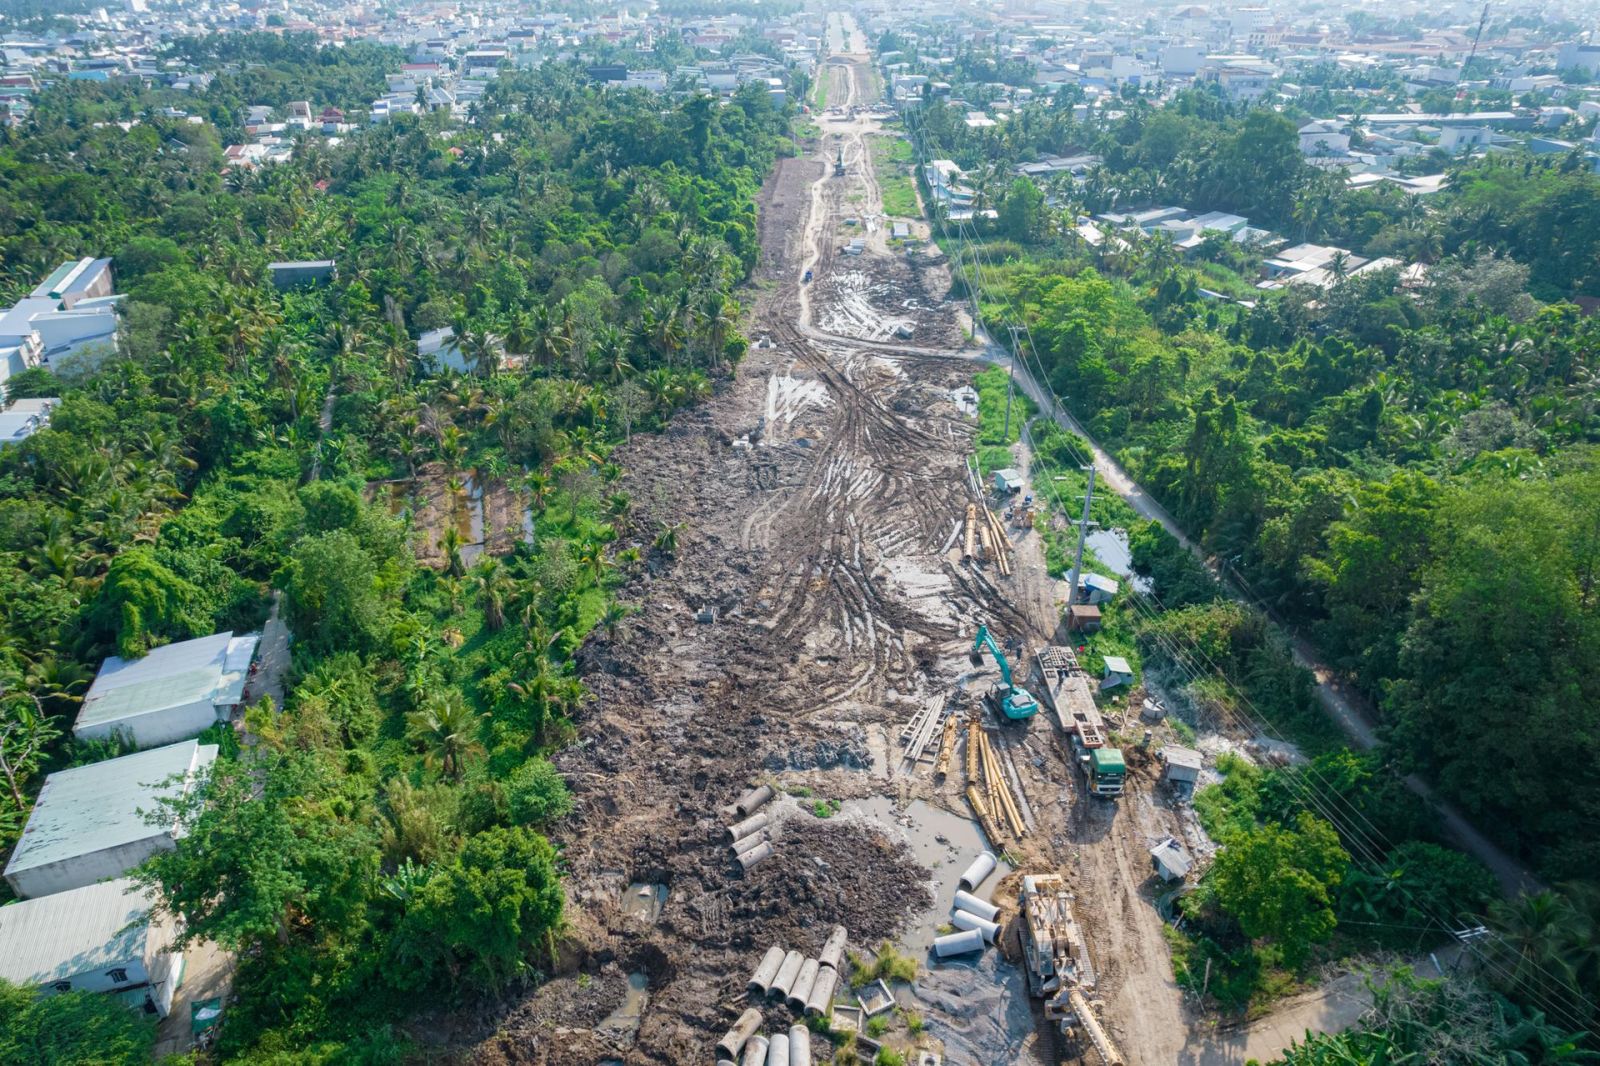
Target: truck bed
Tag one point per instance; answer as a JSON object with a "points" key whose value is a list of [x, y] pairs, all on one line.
{"points": [[1069, 693]]}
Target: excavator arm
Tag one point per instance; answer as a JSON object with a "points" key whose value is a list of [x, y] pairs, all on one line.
{"points": [[985, 640]]}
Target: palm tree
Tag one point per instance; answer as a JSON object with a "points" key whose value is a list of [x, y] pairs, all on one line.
{"points": [[1536, 934], [451, 543], [495, 588], [445, 729], [615, 614]]}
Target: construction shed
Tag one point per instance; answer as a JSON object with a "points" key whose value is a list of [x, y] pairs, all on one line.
{"points": [[1171, 860], [89, 824], [95, 939], [1097, 588], [171, 694], [1181, 767], [1118, 672], [1008, 481], [1083, 618]]}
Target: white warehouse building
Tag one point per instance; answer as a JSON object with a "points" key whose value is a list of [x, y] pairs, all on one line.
{"points": [[89, 823], [171, 694], [94, 939]]}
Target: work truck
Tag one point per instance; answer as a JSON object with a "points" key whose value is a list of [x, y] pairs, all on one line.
{"points": [[1069, 692]]}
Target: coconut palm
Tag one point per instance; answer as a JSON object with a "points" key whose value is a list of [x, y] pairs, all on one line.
{"points": [[445, 729]]}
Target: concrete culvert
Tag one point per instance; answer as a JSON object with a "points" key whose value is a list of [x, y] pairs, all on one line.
{"points": [[761, 851], [821, 999], [968, 940], [755, 1052], [832, 953], [742, 1030], [753, 800], [979, 871], [761, 981], [787, 973], [968, 920], [740, 830], [751, 842], [778, 1050], [802, 986], [966, 901], [799, 1046]]}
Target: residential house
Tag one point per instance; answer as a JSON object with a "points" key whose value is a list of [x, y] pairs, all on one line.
{"points": [[99, 938], [173, 693], [89, 823], [23, 418], [1319, 138], [73, 309]]}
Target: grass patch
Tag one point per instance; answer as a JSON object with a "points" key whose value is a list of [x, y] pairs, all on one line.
{"points": [[825, 808], [992, 384], [1230, 805], [892, 159]]}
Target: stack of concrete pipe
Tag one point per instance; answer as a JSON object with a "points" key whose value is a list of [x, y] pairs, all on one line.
{"points": [[750, 838], [974, 919], [781, 1049], [806, 985]]}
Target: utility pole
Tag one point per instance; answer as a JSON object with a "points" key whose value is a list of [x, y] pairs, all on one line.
{"points": [[1011, 382], [1083, 532]]}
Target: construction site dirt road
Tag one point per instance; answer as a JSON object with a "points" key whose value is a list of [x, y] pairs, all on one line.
{"points": [[816, 606]]}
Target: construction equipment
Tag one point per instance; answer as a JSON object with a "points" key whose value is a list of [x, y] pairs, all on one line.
{"points": [[1007, 698], [838, 164], [1104, 771], [1058, 965], [1461, 78], [1067, 689]]}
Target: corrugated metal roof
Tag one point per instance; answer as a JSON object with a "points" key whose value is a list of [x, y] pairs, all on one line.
{"points": [[207, 668], [55, 937], [91, 808]]}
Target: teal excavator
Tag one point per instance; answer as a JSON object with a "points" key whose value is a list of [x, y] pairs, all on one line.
{"points": [[1007, 698]]}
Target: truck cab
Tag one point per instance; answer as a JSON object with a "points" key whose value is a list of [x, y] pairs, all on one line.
{"points": [[1103, 770]]}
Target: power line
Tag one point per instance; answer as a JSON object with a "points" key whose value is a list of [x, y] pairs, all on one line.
{"points": [[1375, 844]]}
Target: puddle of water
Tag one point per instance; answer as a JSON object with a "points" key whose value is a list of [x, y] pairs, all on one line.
{"points": [[644, 900], [945, 843], [624, 1021], [1110, 546]]}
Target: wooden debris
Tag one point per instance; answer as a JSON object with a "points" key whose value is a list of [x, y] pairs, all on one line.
{"points": [[947, 747]]}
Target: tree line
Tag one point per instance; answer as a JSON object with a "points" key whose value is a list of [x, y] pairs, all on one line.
{"points": [[380, 841]]}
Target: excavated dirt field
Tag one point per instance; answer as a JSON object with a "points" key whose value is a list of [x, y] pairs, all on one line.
{"points": [[821, 492]]}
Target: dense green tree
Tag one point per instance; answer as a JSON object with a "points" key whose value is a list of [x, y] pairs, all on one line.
{"points": [[71, 1029], [479, 918], [1279, 883]]}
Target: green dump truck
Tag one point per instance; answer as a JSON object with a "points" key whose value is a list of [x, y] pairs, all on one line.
{"points": [[1103, 770]]}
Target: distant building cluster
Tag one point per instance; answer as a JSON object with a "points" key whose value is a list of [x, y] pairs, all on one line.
{"points": [[1269, 54]]}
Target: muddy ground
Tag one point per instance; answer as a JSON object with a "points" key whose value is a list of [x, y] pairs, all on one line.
{"points": [[827, 547]]}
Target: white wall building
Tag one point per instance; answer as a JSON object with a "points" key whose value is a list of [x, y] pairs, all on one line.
{"points": [[71, 310], [95, 939], [89, 823], [172, 694]]}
